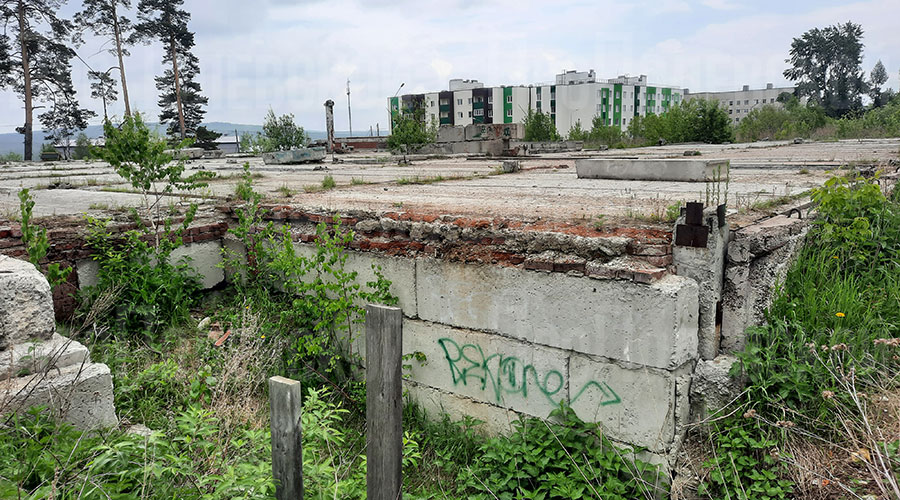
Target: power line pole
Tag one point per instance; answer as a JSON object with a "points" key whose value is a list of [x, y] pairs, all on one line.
{"points": [[349, 114]]}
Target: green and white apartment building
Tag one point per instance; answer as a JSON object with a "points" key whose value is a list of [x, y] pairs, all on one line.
{"points": [[574, 97]]}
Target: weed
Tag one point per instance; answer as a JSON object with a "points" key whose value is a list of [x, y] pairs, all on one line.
{"points": [[328, 183], [803, 171], [36, 244], [98, 206], [312, 188], [286, 191], [358, 181]]}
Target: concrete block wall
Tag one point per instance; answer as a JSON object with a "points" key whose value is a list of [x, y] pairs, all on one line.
{"points": [[501, 342]]}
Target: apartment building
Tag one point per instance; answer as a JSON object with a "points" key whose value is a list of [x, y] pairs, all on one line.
{"points": [[575, 97], [739, 103]]}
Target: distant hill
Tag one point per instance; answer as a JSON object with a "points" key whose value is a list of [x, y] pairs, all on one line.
{"points": [[14, 143]]}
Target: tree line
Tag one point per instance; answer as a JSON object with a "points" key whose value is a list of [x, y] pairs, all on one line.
{"points": [[38, 45]]}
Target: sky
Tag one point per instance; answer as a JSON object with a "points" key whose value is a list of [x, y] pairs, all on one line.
{"points": [[291, 56]]}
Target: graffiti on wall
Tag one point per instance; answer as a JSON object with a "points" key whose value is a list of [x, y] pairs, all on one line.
{"points": [[501, 375]]}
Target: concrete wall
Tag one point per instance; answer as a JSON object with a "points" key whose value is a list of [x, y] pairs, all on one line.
{"points": [[503, 341], [675, 170]]}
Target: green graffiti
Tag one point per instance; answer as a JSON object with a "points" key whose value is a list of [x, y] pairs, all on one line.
{"points": [[504, 375]]}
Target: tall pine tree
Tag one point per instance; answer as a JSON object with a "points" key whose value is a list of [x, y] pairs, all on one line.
{"points": [[102, 18], [35, 62], [180, 98]]}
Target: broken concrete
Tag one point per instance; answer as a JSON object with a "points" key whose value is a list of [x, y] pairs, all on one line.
{"points": [[39, 367], [26, 304]]}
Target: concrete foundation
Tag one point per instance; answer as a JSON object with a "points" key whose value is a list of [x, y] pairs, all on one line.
{"points": [[675, 170]]}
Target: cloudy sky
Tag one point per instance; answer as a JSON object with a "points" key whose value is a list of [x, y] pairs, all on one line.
{"points": [[293, 55]]}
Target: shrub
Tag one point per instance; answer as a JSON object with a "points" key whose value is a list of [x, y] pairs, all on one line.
{"points": [[539, 127], [570, 459]]}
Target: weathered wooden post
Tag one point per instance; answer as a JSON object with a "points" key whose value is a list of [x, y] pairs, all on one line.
{"points": [[384, 405], [287, 451]]}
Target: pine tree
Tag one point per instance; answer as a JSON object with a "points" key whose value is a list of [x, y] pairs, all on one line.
{"points": [[102, 18], [39, 68], [180, 98], [103, 87]]}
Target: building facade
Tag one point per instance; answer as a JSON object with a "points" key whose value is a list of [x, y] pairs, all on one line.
{"points": [[739, 103], [576, 97]]}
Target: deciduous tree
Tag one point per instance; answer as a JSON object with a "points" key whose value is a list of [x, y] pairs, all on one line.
{"points": [[877, 78], [827, 66]]}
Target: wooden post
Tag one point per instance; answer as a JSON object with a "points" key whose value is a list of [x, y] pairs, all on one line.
{"points": [[384, 405], [287, 451]]}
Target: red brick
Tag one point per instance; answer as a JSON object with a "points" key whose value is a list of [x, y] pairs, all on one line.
{"points": [[564, 267], [648, 276], [539, 265], [8, 243], [661, 261]]}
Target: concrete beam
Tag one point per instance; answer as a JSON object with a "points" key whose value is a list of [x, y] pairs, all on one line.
{"points": [[652, 325], [675, 170]]}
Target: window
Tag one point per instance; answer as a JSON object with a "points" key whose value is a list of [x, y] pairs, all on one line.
{"points": [[431, 104], [509, 113], [445, 102], [618, 95], [598, 108], [509, 99], [746, 102], [470, 100], [479, 99], [490, 113], [617, 109], [478, 112], [757, 101], [730, 111], [432, 116], [490, 99], [460, 114], [459, 102], [731, 103], [445, 114]]}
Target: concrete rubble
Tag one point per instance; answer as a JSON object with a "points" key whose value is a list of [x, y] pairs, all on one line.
{"points": [[38, 367]]}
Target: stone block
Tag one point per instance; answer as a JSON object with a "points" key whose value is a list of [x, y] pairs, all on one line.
{"points": [[33, 357], [635, 406], [81, 394], [26, 303], [674, 170], [488, 368], [451, 134], [713, 387], [653, 325], [205, 259]]}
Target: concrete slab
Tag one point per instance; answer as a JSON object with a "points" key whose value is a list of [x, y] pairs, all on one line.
{"points": [[206, 259], [675, 170]]}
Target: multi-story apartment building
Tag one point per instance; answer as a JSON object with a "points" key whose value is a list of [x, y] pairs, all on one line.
{"points": [[575, 97], [739, 103]]}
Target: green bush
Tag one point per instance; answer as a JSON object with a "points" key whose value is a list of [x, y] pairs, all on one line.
{"points": [[744, 467], [841, 295], [152, 292], [569, 459], [539, 127]]}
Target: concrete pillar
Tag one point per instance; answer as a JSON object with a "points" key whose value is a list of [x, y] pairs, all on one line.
{"points": [[329, 124], [704, 262]]}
